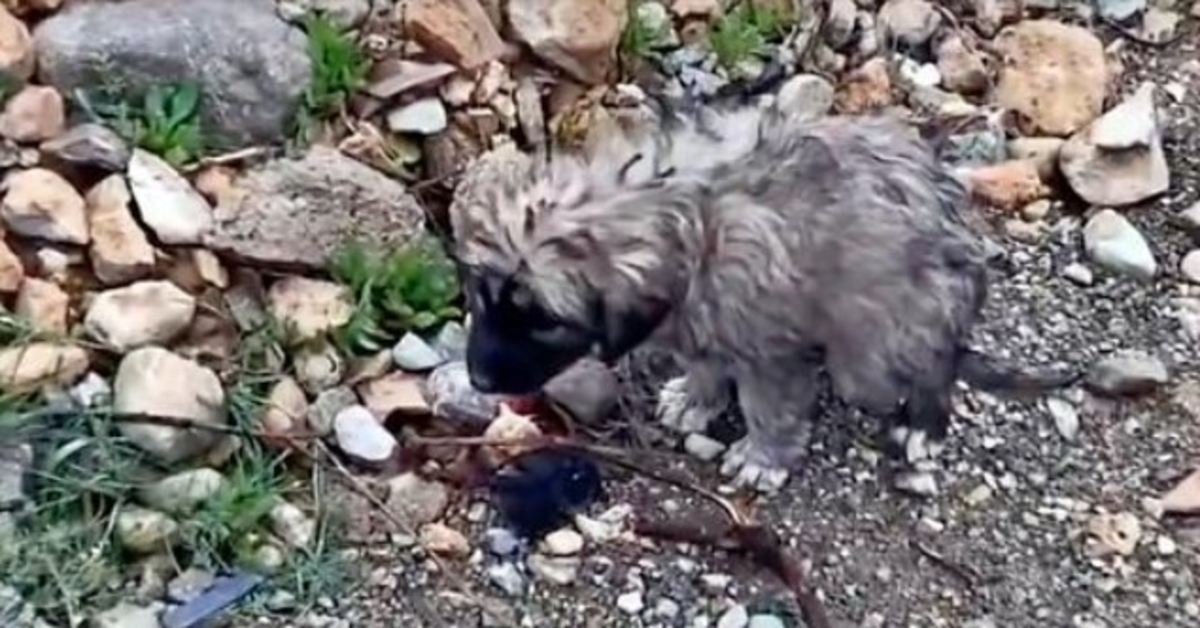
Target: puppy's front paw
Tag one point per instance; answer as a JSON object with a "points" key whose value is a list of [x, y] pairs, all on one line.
{"points": [[912, 446], [679, 410], [751, 466]]}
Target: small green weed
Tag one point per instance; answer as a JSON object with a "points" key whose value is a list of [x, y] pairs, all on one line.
{"points": [[339, 68], [164, 121], [641, 38], [411, 289], [745, 32]]}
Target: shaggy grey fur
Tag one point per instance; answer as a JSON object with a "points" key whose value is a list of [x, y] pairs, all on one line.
{"points": [[759, 250]]}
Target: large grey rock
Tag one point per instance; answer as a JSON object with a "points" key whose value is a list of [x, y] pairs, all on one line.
{"points": [[299, 211], [252, 66]]}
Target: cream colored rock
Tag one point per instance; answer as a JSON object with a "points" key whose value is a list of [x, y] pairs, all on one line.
{"points": [[44, 305], [144, 531], [309, 308], [154, 381], [167, 203], [183, 492], [12, 271], [17, 56], [25, 368], [290, 523], [209, 267], [1053, 75], [145, 313], [284, 415], [319, 366], [41, 204], [35, 114], [578, 37], [120, 251], [443, 540]]}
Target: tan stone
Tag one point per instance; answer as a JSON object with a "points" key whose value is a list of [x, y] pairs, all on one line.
{"points": [[35, 114], [12, 271], [1053, 75], [579, 37], [42, 204], [459, 31], [26, 368], [44, 305], [397, 392], [120, 250], [16, 47], [867, 88]]}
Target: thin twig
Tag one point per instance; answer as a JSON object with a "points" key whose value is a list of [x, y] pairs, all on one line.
{"points": [[356, 484], [969, 576], [239, 155]]}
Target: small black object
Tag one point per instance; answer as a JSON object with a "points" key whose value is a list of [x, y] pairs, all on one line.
{"points": [[536, 493]]}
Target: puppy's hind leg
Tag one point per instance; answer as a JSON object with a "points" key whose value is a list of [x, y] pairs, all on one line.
{"points": [[690, 402], [778, 404]]}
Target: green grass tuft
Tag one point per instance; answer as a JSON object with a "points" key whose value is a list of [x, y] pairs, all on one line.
{"points": [[339, 69], [414, 288], [746, 32]]}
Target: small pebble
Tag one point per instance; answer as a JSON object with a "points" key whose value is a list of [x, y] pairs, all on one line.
{"points": [[414, 354], [507, 577], [1165, 546], [1078, 274], [501, 541], [631, 603], [564, 542]]}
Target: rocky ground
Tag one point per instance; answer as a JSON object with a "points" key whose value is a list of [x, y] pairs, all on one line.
{"points": [[224, 328]]}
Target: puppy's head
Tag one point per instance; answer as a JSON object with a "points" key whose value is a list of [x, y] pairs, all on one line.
{"points": [[552, 274]]}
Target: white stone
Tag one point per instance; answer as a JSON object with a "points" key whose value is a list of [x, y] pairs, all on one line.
{"points": [[631, 602], [167, 203], [1190, 266], [1066, 418], [412, 353], [426, 116], [1114, 243], [360, 435]]}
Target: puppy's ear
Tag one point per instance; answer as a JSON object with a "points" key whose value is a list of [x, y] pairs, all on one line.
{"points": [[627, 323]]}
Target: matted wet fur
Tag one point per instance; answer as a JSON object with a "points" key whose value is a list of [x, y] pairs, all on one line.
{"points": [[759, 250]]}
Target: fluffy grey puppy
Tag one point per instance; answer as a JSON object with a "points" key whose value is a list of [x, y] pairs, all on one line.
{"points": [[762, 251]]}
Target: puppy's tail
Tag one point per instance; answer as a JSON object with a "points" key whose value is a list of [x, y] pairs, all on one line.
{"points": [[995, 376]]}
